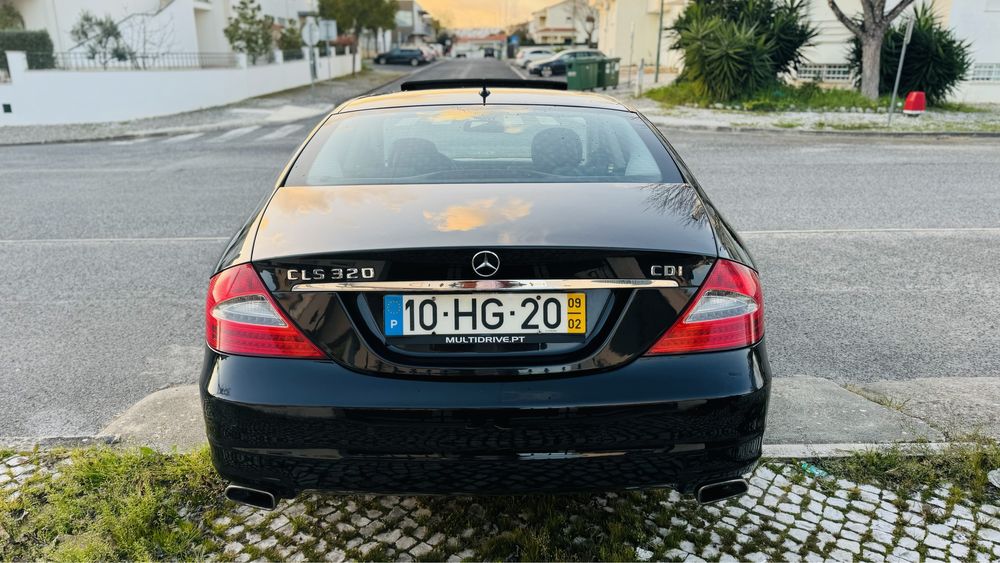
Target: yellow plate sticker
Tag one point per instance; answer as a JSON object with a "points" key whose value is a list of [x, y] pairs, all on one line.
{"points": [[576, 313]]}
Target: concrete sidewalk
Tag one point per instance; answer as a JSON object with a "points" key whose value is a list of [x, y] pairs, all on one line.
{"points": [[844, 121], [282, 107], [807, 414]]}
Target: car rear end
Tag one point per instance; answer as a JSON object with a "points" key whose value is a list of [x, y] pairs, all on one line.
{"points": [[440, 333]]}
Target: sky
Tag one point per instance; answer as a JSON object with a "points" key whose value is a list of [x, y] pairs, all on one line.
{"points": [[482, 13]]}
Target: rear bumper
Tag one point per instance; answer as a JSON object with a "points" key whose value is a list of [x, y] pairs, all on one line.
{"points": [[680, 421]]}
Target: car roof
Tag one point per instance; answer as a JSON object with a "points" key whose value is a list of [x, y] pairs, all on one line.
{"points": [[470, 96]]}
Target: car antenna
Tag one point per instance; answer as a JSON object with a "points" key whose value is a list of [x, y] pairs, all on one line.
{"points": [[484, 93]]}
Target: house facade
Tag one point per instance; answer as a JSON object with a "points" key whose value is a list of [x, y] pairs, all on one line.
{"points": [[629, 29], [177, 26], [563, 23], [412, 24]]}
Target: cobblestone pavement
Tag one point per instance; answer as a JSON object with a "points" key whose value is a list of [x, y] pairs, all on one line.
{"points": [[788, 515]]}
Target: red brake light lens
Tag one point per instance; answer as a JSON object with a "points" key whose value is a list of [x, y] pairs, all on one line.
{"points": [[242, 318], [726, 313]]}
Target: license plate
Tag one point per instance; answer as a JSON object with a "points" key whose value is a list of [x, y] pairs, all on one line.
{"points": [[486, 318]]}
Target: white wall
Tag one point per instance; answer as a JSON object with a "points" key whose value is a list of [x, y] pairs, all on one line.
{"points": [[978, 21], [57, 96]]}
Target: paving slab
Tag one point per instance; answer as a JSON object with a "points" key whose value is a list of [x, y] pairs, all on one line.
{"points": [[958, 406], [162, 420], [803, 410], [813, 410]]}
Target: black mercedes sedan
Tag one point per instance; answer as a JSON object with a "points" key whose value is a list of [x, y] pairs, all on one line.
{"points": [[484, 288]]}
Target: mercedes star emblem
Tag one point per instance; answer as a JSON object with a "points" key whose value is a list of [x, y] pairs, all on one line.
{"points": [[485, 263]]}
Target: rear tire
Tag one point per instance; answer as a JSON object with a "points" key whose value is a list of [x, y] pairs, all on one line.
{"points": [[546, 71], [380, 61], [414, 62]]}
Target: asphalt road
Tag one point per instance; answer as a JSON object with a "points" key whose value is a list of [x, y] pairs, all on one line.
{"points": [[879, 256]]}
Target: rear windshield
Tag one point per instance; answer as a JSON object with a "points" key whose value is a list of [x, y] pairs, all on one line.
{"points": [[483, 144]]}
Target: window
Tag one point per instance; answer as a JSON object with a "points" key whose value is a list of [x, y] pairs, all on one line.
{"points": [[483, 144]]}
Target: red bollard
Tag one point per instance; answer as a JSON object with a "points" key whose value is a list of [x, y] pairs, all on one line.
{"points": [[916, 104]]}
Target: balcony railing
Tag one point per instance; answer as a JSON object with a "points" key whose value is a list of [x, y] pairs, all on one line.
{"points": [[130, 61]]}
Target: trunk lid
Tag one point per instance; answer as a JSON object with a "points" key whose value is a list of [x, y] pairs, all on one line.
{"points": [[335, 257]]}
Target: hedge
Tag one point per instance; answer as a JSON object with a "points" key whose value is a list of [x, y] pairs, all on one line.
{"points": [[37, 44]]}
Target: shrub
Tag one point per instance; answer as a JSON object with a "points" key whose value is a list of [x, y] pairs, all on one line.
{"points": [[10, 18], [37, 45], [249, 31], [777, 97], [101, 38], [290, 42], [734, 48], [936, 60]]}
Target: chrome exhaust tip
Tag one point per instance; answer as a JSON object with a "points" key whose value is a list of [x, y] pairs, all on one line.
{"points": [[251, 497], [721, 490]]}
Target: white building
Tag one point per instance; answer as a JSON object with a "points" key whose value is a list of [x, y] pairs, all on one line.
{"points": [[628, 29], [412, 23], [564, 22], [182, 62], [178, 26], [977, 21]]}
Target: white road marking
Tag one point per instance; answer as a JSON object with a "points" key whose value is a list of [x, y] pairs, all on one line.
{"points": [[863, 231], [519, 72], [230, 135], [280, 132], [182, 138], [111, 240]]}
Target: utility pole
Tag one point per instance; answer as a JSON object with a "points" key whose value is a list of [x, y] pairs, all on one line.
{"points": [[659, 42], [631, 49]]}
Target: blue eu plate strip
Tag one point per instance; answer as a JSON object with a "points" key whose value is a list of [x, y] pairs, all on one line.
{"points": [[393, 314]]}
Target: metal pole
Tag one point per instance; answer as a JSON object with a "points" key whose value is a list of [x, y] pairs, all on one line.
{"points": [[899, 70], [631, 49], [659, 41]]}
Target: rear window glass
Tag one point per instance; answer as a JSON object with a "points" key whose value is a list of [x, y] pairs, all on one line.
{"points": [[483, 144]]}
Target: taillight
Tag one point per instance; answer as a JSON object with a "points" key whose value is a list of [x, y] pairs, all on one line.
{"points": [[242, 318], [727, 313]]}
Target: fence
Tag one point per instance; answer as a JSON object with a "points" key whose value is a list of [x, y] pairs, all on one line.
{"points": [[824, 73], [77, 90], [985, 72], [129, 61]]}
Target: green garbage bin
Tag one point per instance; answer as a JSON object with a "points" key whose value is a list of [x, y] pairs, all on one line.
{"points": [[607, 73], [581, 74]]}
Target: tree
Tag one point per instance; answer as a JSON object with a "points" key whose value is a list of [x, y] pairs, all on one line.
{"points": [[735, 48], [870, 31], [936, 59], [359, 15], [250, 32], [101, 38], [10, 18]]}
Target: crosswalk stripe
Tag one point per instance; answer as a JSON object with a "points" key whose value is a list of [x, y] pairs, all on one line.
{"points": [[230, 135], [280, 132], [183, 138]]}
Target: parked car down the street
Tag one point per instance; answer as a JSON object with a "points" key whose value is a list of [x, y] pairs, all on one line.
{"points": [[556, 65], [530, 54], [474, 288], [411, 55]]}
